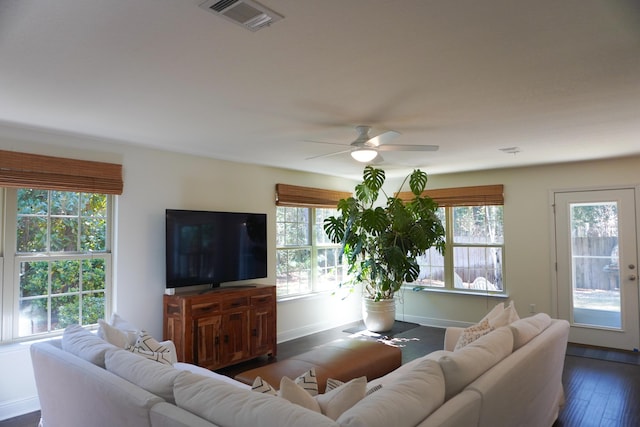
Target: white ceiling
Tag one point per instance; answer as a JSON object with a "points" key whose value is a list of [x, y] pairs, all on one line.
{"points": [[559, 79]]}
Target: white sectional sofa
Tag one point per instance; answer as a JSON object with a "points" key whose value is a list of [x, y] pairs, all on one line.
{"points": [[508, 377]]}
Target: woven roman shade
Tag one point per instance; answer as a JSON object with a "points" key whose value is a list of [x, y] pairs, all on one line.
{"points": [[293, 195], [23, 170], [482, 195]]}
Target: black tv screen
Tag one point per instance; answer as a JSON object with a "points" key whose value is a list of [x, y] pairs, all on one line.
{"points": [[210, 248]]}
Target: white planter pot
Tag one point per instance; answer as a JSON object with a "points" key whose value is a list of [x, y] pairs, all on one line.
{"points": [[378, 316]]}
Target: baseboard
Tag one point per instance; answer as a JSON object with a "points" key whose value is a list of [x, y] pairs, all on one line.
{"points": [[310, 329], [433, 322], [15, 408]]}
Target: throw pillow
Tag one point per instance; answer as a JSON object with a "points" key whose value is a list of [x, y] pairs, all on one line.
{"points": [[472, 333], [335, 402], [164, 358], [148, 343], [495, 311], [294, 393], [308, 381], [118, 337], [508, 316], [261, 386]]}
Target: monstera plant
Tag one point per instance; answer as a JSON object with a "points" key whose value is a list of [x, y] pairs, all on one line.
{"points": [[381, 241]]}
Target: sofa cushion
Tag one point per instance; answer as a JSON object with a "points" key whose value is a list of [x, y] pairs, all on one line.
{"points": [[82, 343], [405, 402], [226, 405], [465, 365], [151, 376], [207, 373], [524, 330]]}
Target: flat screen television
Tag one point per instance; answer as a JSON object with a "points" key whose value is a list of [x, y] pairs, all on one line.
{"points": [[210, 248]]}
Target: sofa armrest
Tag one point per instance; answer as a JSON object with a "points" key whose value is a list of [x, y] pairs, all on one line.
{"points": [[451, 336]]}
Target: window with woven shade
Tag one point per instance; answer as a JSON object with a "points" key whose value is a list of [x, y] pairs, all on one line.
{"points": [[474, 256], [306, 260], [57, 241]]}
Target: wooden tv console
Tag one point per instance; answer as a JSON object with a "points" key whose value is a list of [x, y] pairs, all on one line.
{"points": [[221, 326]]}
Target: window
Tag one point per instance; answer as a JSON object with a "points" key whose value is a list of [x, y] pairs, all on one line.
{"points": [[59, 252], [55, 245], [306, 261], [473, 260]]}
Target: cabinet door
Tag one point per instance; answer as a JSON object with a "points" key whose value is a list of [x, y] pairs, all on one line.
{"points": [[263, 333], [207, 342], [235, 340]]}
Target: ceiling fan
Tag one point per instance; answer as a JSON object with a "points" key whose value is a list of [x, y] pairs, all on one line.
{"points": [[366, 149]]}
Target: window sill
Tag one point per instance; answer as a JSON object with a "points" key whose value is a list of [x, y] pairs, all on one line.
{"points": [[455, 291]]}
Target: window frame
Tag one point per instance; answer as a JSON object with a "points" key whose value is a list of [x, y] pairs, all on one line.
{"points": [[314, 247], [449, 261], [10, 266]]}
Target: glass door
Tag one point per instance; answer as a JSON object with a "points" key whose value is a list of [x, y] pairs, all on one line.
{"points": [[597, 266]]}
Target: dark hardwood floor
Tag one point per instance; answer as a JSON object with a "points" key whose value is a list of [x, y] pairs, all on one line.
{"points": [[598, 392]]}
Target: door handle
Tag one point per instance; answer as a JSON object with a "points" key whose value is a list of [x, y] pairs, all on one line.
{"points": [[633, 277]]}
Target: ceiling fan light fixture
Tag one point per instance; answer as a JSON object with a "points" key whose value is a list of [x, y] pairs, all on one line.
{"points": [[364, 155]]}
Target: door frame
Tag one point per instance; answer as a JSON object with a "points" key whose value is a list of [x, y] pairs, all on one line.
{"points": [[553, 256]]}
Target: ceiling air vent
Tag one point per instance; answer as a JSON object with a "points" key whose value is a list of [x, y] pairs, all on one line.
{"points": [[248, 13]]}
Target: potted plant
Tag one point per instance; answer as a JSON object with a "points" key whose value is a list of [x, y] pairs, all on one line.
{"points": [[382, 242]]}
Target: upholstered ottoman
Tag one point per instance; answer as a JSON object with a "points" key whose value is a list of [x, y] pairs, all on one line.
{"points": [[342, 360]]}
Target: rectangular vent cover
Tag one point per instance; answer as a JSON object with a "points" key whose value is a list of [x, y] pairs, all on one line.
{"points": [[247, 13]]}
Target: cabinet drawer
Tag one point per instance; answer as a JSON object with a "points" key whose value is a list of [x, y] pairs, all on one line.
{"points": [[204, 308], [259, 300], [231, 303]]}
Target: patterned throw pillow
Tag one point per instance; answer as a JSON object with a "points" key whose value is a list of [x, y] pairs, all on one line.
{"points": [[472, 333], [261, 386], [147, 346], [333, 383]]}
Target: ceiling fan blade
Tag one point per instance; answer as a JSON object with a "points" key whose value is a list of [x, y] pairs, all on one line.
{"points": [[395, 147], [328, 155], [383, 138], [324, 142]]}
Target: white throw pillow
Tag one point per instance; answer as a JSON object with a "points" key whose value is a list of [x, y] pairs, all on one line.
{"points": [[82, 343], [118, 337], [155, 378], [508, 316], [495, 311], [308, 381], [472, 333], [465, 365], [335, 402], [294, 393], [405, 402]]}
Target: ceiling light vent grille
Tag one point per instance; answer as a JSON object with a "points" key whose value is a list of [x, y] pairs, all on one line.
{"points": [[247, 13]]}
